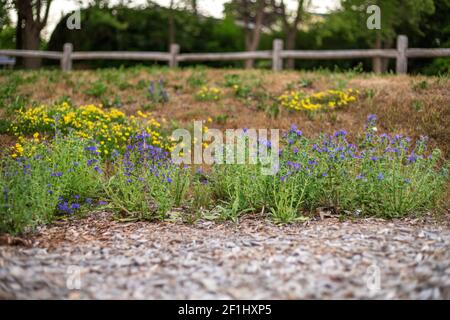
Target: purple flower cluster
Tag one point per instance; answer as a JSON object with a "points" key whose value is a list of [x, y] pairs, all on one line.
{"points": [[334, 154], [74, 204], [143, 161]]}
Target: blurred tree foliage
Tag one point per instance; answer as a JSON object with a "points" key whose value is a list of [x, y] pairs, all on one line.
{"points": [[435, 33], [7, 30], [397, 17], [145, 29], [425, 22]]}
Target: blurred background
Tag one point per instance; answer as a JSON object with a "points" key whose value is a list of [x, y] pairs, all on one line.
{"points": [[227, 26]]}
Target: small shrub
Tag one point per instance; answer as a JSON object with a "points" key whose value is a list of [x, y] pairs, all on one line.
{"points": [[35, 183], [201, 192], [242, 91], [417, 106], [232, 80], [157, 92], [4, 126], [421, 85], [111, 103], [96, 89], [302, 83], [208, 94], [145, 183], [197, 79], [382, 175], [221, 119], [329, 99]]}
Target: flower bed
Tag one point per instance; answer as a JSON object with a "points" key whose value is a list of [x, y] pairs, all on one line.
{"points": [[377, 175]]}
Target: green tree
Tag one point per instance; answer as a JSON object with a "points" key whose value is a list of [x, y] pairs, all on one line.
{"points": [[435, 34], [7, 32], [397, 16], [253, 16], [125, 28], [291, 22], [32, 16]]}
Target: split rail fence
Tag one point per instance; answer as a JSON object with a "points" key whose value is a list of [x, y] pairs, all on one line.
{"points": [[402, 53]]}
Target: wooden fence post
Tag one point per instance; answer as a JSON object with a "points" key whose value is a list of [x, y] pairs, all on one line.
{"points": [[402, 58], [66, 60], [174, 51], [277, 60]]}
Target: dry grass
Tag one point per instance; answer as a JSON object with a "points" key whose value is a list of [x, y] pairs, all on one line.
{"points": [[412, 106]]}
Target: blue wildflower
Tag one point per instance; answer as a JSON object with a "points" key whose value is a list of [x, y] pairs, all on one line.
{"points": [[340, 133], [91, 148], [371, 118]]}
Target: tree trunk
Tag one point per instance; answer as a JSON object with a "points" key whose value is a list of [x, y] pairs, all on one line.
{"points": [[290, 45], [194, 7], [252, 45], [291, 29], [31, 41], [253, 36], [19, 34], [385, 61], [171, 24], [30, 22], [376, 62]]}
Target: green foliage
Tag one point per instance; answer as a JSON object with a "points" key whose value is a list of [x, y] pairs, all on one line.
{"points": [[157, 92], [396, 14], [96, 89], [421, 85], [10, 99], [145, 184], [383, 176], [232, 80], [33, 187], [380, 175], [7, 31], [202, 194], [5, 124], [145, 29], [221, 119], [197, 78], [124, 28]]}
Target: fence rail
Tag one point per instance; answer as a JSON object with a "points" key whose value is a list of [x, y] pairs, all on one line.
{"points": [[277, 54], [339, 54], [32, 54]]}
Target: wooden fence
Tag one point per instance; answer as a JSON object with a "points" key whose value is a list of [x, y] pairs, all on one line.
{"points": [[277, 54]]}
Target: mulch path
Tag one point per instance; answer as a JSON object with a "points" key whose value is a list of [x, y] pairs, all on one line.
{"points": [[100, 258]]}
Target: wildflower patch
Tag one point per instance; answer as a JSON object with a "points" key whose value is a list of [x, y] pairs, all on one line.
{"points": [[323, 100], [208, 94], [111, 128]]}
